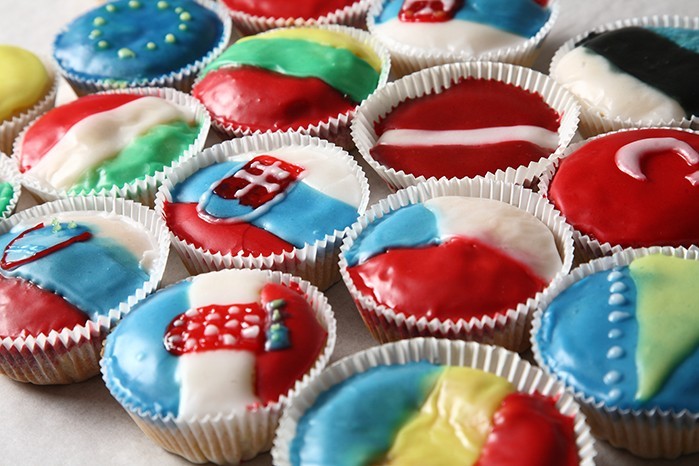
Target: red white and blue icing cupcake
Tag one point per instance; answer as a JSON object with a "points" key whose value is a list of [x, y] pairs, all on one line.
{"points": [[223, 352], [621, 332], [68, 271], [450, 260]]}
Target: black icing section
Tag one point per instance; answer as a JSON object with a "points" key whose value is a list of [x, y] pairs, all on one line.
{"points": [[653, 59]]}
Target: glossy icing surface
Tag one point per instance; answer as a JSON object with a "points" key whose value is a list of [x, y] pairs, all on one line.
{"points": [[500, 126], [6, 194], [659, 208], [23, 82], [132, 40], [305, 9]]}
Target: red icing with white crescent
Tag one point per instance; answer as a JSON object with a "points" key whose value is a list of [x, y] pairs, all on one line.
{"points": [[305, 9]]}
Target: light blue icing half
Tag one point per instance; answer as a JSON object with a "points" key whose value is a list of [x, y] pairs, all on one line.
{"points": [[521, 17], [409, 227], [591, 345], [686, 38], [354, 422], [141, 372]]}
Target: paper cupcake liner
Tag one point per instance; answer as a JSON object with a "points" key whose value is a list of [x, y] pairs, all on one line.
{"points": [[592, 121], [142, 190], [72, 355], [229, 438], [315, 262], [181, 79], [10, 174], [509, 329], [649, 433], [440, 78], [334, 128], [498, 361], [407, 59], [353, 15]]}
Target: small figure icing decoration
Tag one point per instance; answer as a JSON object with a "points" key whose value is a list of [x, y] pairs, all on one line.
{"points": [[429, 11]]}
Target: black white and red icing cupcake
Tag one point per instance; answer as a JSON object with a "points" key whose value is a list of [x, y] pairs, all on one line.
{"points": [[223, 352]]}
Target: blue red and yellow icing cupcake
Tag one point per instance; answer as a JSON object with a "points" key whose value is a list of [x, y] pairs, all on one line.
{"points": [[223, 352]]}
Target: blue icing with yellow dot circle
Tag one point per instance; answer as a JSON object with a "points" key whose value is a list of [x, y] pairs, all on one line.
{"points": [[133, 40]]}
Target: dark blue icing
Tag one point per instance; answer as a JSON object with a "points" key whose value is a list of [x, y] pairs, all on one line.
{"points": [[132, 40]]}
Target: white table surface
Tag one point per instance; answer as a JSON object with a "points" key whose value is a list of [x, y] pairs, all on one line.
{"points": [[81, 424]]}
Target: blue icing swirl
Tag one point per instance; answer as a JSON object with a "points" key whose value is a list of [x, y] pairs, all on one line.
{"points": [[127, 40]]}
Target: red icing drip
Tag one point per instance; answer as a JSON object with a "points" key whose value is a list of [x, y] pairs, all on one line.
{"points": [[26, 309], [227, 238], [8, 265], [286, 9], [263, 100], [461, 278], [528, 430], [600, 200], [46, 132], [413, 11]]}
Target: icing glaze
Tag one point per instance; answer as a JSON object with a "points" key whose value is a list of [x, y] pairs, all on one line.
{"points": [[23, 82], [506, 127], [7, 192], [306, 9], [614, 207], [130, 41]]}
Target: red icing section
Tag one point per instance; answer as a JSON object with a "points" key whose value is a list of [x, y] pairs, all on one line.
{"points": [[226, 238], [528, 430], [461, 278], [263, 100], [288, 9], [492, 104], [47, 131], [428, 11], [600, 200], [26, 309]]}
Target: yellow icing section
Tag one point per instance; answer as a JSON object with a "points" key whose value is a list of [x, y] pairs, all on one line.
{"points": [[23, 80], [454, 422], [327, 38], [667, 312]]}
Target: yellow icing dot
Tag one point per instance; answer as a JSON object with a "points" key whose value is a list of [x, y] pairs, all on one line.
{"points": [[95, 33], [179, 9], [162, 5], [126, 53], [185, 16], [151, 46], [103, 44], [110, 8], [99, 21], [134, 4], [23, 80], [170, 38], [182, 27]]}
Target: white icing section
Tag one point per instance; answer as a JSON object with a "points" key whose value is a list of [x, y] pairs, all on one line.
{"points": [[470, 137], [512, 231], [613, 93], [215, 382], [101, 136], [454, 36], [227, 287], [628, 158]]}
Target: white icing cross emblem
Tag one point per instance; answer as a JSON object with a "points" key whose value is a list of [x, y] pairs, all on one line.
{"points": [[275, 171]]}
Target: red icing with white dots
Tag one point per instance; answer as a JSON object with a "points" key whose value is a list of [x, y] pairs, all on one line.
{"points": [[305, 9]]}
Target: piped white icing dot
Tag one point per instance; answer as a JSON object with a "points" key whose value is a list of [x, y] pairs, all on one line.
{"points": [[615, 333], [214, 316], [618, 287], [252, 319], [618, 316], [616, 299], [232, 324], [612, 377], [210, 330], [228, 339], [615, 275], [615, 352], [250, 332]]}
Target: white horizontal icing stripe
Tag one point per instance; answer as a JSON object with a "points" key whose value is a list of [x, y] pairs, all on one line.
{"points": [[470, 137], [100, 137], [507, 228], [227, 287]]}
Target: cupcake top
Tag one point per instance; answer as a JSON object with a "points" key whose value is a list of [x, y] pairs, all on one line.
{"points": [[23, 82], [627, 336], [218, 343], [391, 414], [132, 40], [305, 9], [67, 268]]}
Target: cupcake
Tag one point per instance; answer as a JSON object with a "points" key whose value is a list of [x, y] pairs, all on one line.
{"points": [[10, 186], [117, 143], [69, 270], [276, 201], [633, 73], [28, 89], [461, 260], [630, 188], [423, 34], [429, 401], [205, 366], [511, 122], [303, 79], [621, 333], [130, 43]]}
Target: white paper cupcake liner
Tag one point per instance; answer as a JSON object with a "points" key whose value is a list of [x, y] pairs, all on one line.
{"points": [[407, 59], [440, 78], [649, 433], [525, 377], [509, 329], [315, 262], [72, 355], [10, 174], [181, 79], [142, 190], [592, 120], [230, 438]]}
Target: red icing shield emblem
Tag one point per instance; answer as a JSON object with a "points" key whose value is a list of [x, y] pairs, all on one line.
{"points": [[429, 11]]}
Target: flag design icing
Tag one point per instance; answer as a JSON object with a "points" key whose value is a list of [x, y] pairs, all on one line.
{"points": [[628, 336], [23, 81], [306, 9], [207, 346], [420, 413]]}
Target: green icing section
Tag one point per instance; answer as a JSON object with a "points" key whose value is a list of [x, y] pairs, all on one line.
{"points": [[146, 155], [337, 67], [668, 318], [6, 193]]}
